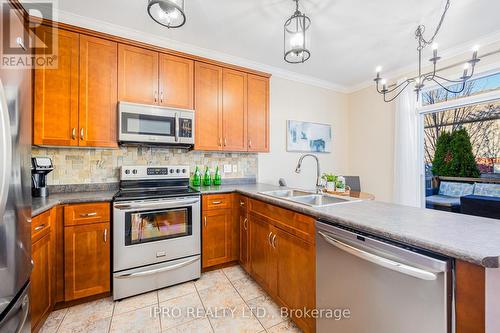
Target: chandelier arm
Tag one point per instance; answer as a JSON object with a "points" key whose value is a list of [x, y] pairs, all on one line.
{"points": [[448, 80], [449, 90], [407, 82]]}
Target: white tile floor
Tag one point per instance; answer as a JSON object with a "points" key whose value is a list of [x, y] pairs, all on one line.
{"points": [[195, 307]]}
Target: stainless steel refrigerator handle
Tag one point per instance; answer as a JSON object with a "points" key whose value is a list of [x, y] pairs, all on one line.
{"points": [[381, 261], [159, 270], [5, 149], [25, 307], [157, 204]]}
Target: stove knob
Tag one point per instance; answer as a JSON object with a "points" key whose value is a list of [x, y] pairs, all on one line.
{"points": [[134, 171], [178, 170], [171, 170], [127, 172], [184, 170]]}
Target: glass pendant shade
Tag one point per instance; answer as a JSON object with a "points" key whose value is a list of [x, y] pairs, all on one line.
{"points": [[296, 39], [169, 13]]}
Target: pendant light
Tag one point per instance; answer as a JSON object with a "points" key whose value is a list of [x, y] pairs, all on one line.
{"points": [[295, 37], [169, 13]]}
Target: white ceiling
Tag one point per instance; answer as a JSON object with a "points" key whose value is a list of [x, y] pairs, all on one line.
{"points": [[349, 37]]}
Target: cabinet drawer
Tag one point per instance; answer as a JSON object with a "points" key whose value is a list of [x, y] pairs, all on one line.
{"points": [[217, 201], [40, 225], [86, 213]]}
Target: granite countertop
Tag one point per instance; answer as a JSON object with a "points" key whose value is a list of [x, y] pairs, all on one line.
{"points": [[464, 237], [40, 205]]}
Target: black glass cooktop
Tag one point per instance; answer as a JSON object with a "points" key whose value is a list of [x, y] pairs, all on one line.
{"points": [[152, 193]]}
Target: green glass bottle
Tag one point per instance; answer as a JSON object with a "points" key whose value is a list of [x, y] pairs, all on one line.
{"points": [[196, 177], [207, 180], [217, 177]]}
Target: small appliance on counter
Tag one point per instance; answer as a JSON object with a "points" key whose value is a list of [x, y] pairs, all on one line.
{"points": [[40, 168]]}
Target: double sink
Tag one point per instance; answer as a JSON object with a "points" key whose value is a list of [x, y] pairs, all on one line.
{"points": [[309, 198]]}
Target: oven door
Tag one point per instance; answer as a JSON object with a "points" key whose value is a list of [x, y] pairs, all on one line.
{"points": [[153, 231]]}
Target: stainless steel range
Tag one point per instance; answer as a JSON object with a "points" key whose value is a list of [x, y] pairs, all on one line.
{"points": [[156, 230]]}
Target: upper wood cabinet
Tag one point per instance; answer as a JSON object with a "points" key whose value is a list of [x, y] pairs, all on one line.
{"points": [[208, 107], [258, 113], [98, 95], [137, 75], [150, 77], [176, 82], [75, 103], [234, 110], [56, 93]]}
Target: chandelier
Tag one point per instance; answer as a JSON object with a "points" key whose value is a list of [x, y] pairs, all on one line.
{"points": [[169, 13], [295, 41], [452, 86]]}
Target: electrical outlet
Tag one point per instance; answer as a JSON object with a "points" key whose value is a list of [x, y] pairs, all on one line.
{"points": [[227, 168], [235, 168]]}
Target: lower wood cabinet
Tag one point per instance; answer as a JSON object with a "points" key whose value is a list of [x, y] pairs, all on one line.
{"points": [[244, 232], [42, 279], [87, 260]]}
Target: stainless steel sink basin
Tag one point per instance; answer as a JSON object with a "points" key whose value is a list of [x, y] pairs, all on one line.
{"points": [[318, 200], [287, 193], [309, 198]]}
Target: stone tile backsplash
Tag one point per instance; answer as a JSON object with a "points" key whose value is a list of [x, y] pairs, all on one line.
{"points": [[84, 166]]}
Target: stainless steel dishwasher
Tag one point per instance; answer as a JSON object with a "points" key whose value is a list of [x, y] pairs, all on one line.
{"points": [[379, 287]]}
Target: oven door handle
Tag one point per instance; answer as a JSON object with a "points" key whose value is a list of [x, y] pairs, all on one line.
{"points": [[157, 204], [177, 125], [159, 270]]}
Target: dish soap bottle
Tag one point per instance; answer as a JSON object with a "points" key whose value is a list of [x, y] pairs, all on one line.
{"points": [[197, 177], [207, 180], [217, 177]]}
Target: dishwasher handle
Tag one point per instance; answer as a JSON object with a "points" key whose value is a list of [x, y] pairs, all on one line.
{"points": [[381, 261]]}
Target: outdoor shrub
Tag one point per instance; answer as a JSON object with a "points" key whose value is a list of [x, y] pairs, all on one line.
{"points": [[441, 164]]}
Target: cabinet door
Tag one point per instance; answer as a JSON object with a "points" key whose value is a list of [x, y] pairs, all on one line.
{"points": [[234, 110], [56, 94], [98, 92], [296, 274], [216, 237], [137, 75], [208, 107], [86, 260], [258, 113], [41, 292], [261, 256], [176, 82]]}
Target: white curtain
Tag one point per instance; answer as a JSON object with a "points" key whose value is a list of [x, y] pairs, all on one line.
{"points": [[407, 186]]}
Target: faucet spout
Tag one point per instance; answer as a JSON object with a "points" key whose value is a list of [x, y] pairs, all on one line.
{"points": [[319, 185]]}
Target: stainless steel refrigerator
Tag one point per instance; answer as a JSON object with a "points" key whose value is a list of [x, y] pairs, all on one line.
{"points": [[15, 186]]}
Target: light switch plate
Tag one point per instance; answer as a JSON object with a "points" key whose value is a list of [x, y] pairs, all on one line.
{"points": [[227, 168], [235, 168]]}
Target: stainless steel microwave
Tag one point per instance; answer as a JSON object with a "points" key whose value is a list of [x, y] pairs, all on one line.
{"points": [[141, 124]]}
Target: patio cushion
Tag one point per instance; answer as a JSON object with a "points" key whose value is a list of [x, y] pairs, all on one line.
{"points": [[487, 190], [457, 190], [443, 200]]}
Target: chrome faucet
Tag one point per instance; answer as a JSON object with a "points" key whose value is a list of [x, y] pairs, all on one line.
{"points": [[319, 185]]}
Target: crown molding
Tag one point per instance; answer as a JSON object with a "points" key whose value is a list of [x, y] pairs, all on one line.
{"points": [[456, 51], [152, 39]]}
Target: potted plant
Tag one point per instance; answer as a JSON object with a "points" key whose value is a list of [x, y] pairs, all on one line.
{"points": [[330, 179]]}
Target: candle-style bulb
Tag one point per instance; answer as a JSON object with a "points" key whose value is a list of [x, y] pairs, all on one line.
{"points": [[435, 46], [378, 69]]}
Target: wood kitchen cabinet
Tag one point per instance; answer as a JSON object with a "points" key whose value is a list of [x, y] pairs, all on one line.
{"points": [[87, 254], [244, 232], [149, 77], [234, 110], [56, 93], [258, 113], [98, 94], [43, 275]]}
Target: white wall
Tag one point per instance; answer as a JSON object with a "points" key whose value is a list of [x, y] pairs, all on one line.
{"points": [[297, 101]]}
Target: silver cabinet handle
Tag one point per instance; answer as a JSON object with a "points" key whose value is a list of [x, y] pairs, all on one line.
{"points": [[245, 224], [274, 241], [82, 134], [20, 42], [88, 214], [220, 142], [216, 202], [161, 97], [381, 261], [205, 218], [40, 227], [249, 143], [269, 238], [159, 270], [73, 133], [242, 203], [155, 95], [105, 235], [225, 142]]}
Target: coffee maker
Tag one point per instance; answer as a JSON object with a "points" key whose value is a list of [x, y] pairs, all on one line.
{"points": [[40, 168]]}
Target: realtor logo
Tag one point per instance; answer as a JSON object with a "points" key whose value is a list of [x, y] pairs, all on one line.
{"points": [[35, 47]]}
